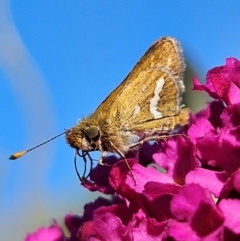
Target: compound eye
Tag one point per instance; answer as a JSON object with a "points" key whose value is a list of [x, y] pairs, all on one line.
{"points": [[92, 134]]}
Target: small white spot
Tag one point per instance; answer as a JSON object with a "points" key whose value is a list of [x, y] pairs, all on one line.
{"points": [[154, 101], [137, 109], [144, 88]]}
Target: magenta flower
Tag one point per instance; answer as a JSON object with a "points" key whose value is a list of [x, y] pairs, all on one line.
{"points": [[197, 197], [52, 233]]}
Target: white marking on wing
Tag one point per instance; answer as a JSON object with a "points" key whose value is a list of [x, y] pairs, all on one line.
{"points": [[137, 109], [154, 101]]}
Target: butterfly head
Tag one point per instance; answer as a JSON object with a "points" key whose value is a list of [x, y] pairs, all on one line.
{"points": [[86, 139]]}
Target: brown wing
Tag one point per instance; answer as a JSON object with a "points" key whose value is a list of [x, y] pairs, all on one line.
{"points": [[153, 88]]}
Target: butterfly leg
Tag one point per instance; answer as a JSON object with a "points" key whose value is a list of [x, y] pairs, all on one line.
{"points": [[125, 159]]}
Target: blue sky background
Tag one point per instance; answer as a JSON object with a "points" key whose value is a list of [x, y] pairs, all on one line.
{"points": [[58, 61]]}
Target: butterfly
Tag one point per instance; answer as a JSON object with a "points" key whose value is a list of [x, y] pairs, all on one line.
{"points": [[144, 107]]}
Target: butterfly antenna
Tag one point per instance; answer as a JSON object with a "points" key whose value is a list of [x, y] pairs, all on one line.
{"points": [[21, 153]]}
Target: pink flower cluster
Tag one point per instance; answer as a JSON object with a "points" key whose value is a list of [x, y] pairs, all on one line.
{"points": [[196, 198]]}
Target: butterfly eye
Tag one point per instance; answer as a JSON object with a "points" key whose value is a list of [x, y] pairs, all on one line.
{"points": [[92, 134]]}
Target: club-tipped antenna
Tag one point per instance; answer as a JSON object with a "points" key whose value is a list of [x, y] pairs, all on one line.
{"points": [[21, 153]]}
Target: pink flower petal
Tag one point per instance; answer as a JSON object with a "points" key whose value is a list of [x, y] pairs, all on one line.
{"points": [[120, 210], [147, 230], [123, 182], [52, 233], [233, 94], [231, 188], [230, 116], [176, 158], [222, 77], [207, 88], [231, 70], [199, 129], [181, 231], [107, 227], [209, 179], [194, 205], [219, 81], [157, 198], [217, 149], [211, 113], [229, 208]]}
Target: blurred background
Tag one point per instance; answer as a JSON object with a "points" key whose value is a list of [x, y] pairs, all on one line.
{"points": [[59, 60]]}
